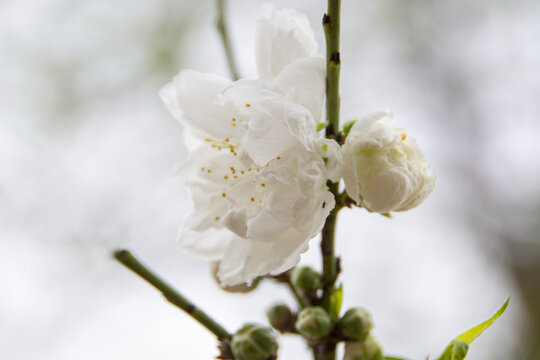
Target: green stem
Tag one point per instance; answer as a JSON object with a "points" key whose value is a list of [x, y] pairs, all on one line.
{"points": [[222, 28], [331, 24], [329, 260], [172, 296], [301, 300]]}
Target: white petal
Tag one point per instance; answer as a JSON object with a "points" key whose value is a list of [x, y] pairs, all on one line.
{"points": [[245, 259], [350, 174], [387, 191], [280, 38], [275, 220], [304, 82], [192, 98], [202, 233], [333, 155], [235, 220], [275, 124]]}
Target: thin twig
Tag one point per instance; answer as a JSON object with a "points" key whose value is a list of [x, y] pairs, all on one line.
{"points": [[174, 297], [223, 31]]}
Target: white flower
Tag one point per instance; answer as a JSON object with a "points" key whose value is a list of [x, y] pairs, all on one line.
{"points": [[257, 183], [384, 168]]}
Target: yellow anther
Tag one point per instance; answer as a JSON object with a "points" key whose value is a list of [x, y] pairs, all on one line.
{"points": [[225, 177], [223, 194], [278, 158], [248, 105], [263, 185], [233, 124], [217, 217], [209, 171], [220, 144], [242, 172], [236, 177], [202, 169], [252, 199], [403, 136]]}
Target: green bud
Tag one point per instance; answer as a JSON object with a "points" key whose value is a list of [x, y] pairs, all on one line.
{"points": [[365, 350], [305, 278], [280, 317], [356, 324], [313, 322], [254, 342]]}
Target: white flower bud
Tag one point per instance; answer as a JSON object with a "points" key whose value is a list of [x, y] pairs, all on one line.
{"points": [[364, 350], [385, 169]]}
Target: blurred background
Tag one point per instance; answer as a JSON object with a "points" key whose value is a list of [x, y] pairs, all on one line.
{"points": [[87, 151]]}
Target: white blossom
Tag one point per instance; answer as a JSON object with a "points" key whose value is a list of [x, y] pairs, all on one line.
{"points": [[384, 167], [256, 179]]}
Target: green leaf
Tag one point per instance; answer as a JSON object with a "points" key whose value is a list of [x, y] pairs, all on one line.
{"points": [[394, 358], [458, 348], [335, 301], [347, 126], [468, 336], [321, 126]]}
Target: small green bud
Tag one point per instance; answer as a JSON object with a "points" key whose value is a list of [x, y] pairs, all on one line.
{"points": [[254, 342], [313, 322], [305, 278], [365, 350], [356, 323], [281, 317]]}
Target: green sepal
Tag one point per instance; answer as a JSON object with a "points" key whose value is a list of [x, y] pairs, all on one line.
{"points": [[321, 126], [458, 348], [387, 214], [347, 126], [336, 298]]}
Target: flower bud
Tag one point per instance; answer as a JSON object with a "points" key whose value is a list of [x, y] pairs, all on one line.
{"points": [[313, 322], [280, 317], [356, 324], [385, 169], [254, 342], [305, 278], [365, 350]]}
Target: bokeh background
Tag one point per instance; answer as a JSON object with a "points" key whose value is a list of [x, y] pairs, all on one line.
{"points": [[87, 152]]}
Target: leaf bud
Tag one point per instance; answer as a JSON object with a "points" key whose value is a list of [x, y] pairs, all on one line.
{"points": [[254, 342], [313, 323], [305, 278], [356, 324]]}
